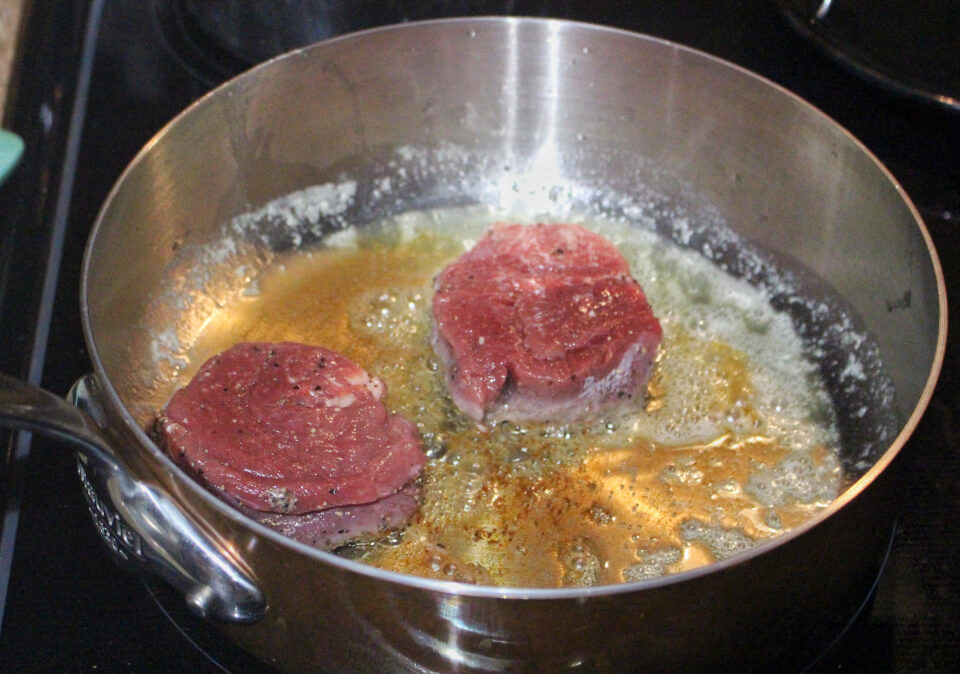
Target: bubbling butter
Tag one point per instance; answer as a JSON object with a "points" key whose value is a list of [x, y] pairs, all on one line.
{"points": [[736, 442]]}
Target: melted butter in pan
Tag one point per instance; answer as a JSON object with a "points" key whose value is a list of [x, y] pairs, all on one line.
{"points": [[543, 505]]}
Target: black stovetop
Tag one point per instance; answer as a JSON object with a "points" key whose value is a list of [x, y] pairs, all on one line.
{"points": [[96, 79]]}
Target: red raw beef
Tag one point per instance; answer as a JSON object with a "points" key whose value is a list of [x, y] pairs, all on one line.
{"points": [[542, 322], [333, 527], [290, 429]]}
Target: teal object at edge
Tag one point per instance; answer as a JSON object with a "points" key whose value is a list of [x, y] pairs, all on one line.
{"points": [[11, 148]]}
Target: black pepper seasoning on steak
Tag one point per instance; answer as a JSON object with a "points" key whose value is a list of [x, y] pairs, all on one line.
{"points": [[333, 527], [542, 322], [285, 429]]}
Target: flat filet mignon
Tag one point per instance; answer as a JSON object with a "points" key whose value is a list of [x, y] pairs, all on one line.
{"points": [[286, 429], [542, 322]]}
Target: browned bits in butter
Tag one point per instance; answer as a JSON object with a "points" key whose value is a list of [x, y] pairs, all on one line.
{"points": [[538, 505]]}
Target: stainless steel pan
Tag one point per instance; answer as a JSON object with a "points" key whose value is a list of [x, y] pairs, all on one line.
{"points": [[489, 110]]}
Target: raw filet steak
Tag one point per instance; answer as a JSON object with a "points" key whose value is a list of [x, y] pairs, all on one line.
{"points": [[289, 429], [542, 322], [333, 527]]}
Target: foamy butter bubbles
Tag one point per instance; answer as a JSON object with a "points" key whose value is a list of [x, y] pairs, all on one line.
{"points": [[736, 441], [732, 362], [398, 314]]}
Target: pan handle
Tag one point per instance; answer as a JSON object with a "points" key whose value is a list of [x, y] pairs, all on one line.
{"points": [[146, 530]]}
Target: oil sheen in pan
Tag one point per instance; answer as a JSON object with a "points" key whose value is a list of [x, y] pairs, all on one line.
{"points": [[738, 440]]}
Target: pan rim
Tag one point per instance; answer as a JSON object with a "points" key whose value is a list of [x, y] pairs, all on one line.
{"points": [[486, 591]]}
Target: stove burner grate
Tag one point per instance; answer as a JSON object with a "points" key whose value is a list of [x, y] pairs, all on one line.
{"points": [[192, 47]]}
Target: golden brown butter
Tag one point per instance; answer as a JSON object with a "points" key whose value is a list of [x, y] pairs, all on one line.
{"points": [[537, 505]]}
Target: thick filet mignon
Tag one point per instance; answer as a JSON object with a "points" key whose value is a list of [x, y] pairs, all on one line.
{"points": [[289, 429], [542, 322], [333, 527]]}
